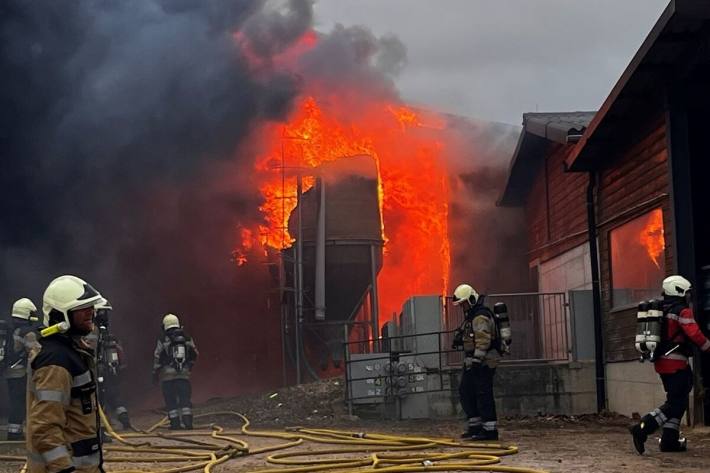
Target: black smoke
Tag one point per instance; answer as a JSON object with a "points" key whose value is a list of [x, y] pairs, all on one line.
{"points": [[124, 127]]}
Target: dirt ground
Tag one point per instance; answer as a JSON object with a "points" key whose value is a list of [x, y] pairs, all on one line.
{"points": [[599, 444], [589, 446]]}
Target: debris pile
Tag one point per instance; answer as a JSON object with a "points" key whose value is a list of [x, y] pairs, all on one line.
{"points": [[318, 403]]}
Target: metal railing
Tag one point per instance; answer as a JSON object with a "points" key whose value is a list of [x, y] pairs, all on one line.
{"points": [[540, 323]]}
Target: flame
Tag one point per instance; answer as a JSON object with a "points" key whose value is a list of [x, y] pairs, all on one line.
{"points": [[246, 244], [652, 238], [413, 186]]}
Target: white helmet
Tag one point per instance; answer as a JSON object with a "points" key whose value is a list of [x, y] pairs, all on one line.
{"points": [[64, 294], [170, 321], [23, 309], [465, 293], [676, 286], [103, 305]]}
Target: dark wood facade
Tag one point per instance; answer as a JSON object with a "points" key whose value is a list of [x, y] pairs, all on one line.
{"points": [[555, 209], [630, 186]]}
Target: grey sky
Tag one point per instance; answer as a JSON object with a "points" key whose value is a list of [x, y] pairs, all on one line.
{"points": [[497, 59]]}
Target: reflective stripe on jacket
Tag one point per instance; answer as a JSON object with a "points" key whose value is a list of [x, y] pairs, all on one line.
{"points": [[680, 329], [479, 333], [62, 429]]}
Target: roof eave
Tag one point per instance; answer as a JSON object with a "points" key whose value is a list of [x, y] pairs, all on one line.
{"points": [[579, 158]]}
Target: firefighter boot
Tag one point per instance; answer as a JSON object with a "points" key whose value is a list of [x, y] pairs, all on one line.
{"points": [[174, 423], [187, 421], [680, 445], [14, 432], [15, 436], [671, 441], [641, 431], [125, 421], [474, 427], [484, 435]]}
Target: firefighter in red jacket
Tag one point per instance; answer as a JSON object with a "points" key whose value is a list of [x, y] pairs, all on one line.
{"points": [[679, 331]]}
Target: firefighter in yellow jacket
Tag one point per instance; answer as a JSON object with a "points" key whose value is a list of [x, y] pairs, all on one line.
{"points": [[478, 338], [175, 354], [62, 416], [23, 341]]}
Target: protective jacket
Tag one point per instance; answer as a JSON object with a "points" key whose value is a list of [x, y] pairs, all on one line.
{"points": [[62, 415], [164, 360], [23, 341], [478, 334], [679, 331]]}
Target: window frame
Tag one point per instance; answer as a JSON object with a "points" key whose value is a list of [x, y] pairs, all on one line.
{"points": [[615, 308]]}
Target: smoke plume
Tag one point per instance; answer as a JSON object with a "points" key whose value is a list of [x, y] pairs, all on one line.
{"points": [[123, 134], [128, 134]]}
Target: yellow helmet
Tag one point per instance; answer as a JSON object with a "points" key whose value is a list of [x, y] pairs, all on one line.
{"points": [[23, 309], [170, 321], [64, 294], [464, 292]]}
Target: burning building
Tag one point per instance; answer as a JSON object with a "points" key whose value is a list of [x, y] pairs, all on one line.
{"points": [[387, 171], [154, 148]]}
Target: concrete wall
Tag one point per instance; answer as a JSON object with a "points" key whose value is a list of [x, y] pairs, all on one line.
{"points": [[527, 389], [564, 388], [633, 387], [568, 272]]}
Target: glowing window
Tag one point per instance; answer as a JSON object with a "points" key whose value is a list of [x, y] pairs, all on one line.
{"points": [[637, 259]]}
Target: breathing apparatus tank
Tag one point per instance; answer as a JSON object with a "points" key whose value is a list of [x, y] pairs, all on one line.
{"points": [[179, 351], [502, 320], [649, 322], [110, 354]]}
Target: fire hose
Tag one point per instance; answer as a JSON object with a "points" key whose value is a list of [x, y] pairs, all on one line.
{"points": [[208, 447]]}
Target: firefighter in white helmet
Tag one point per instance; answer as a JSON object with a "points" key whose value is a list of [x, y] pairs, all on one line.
{"points": [[62, 417], [175, 354], [680, 332], [21, 340], [476, 336], [109, 364]]}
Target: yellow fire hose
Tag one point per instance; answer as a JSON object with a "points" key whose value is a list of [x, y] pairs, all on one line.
{"points": [[350, 452]]}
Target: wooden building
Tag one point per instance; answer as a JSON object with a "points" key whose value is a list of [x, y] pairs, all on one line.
{"points": [[634, 181]]}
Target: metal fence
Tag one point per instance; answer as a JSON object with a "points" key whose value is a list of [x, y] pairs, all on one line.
{"points": [[540, 324], [381, 369]]}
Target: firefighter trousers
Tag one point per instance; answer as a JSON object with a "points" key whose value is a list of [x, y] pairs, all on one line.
{"points": [[17, 393], [177, 394], [111, 399], [678, 386], [476, 395]]}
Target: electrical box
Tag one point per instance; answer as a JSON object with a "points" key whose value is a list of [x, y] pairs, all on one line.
{"points": [[420, 327]]}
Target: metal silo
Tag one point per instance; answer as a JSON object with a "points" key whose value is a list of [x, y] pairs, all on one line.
{"points": [[341, 242]]}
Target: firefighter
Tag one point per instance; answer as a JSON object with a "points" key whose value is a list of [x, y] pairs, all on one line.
{"points": [[109, 365], [22, 339], [62, 416], [679, 332], [174, 356], [477, 336]]}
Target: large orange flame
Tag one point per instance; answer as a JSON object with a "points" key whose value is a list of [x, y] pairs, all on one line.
{"points": [[413, 186], [652, 237]]}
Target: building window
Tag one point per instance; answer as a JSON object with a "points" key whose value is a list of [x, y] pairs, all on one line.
{"points": [[637, 259]]}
